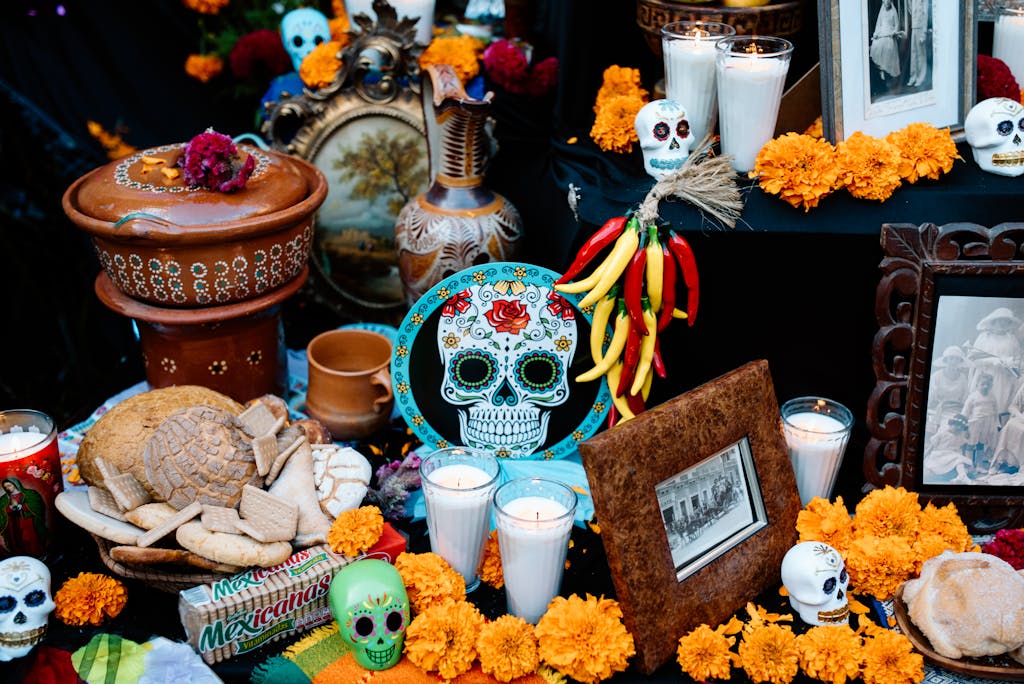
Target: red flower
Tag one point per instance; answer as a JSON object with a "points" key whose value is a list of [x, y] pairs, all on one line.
{"points": [[508, 316], [559, 306], [1008, 545], [508, 67], [996, 80], [459, 302], [543, 77], [210, 160], [260, 55]]}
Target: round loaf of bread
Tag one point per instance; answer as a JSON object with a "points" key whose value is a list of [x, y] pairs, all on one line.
{"points": [[120, 435]]}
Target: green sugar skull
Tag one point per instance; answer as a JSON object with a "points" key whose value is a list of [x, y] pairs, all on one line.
{"points": [[369, 603]]}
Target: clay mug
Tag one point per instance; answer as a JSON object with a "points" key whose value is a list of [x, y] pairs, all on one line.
{"points": [[349, 382]]}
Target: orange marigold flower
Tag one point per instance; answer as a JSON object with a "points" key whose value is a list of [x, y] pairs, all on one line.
{"points": [[886, 512], [868, 167], [614, 129], [830, 653], [490, 565], [925, 151], [321, 65], [89, 598], [429, 580], [338, 27], [815, 130], [204, 67], [584, 639], [826, 522], [889, 658], [356, 530], [508, 648], [617, 81], [879, 565], [206, 6], [704, 654], [461, 52], [443, 637], [768, 653], [946, 523], [798, 168]]}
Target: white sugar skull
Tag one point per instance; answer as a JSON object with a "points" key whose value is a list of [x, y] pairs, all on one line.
{"points": [[301, 31], [665, 136], [815, 578], [25, 605], [506, 350], [995, 132]]}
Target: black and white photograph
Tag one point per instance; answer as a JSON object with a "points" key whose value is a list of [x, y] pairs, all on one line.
{"points": [[974, 421], [900, 47], [710, 507]]}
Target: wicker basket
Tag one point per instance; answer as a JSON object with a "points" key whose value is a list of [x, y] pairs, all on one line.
{"points": [[170, 582]]}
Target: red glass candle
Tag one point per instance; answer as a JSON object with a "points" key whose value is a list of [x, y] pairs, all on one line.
{"points": [[30, 479]]}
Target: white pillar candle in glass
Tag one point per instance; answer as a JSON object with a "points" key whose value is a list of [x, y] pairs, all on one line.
{"points": [[751, 75], [458, 487], [422, 9], [817, 431], [688, 50], [535, 518], [1008, 39]]}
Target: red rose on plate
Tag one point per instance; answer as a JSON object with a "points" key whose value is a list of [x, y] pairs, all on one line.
{"points": [[508, 316]]}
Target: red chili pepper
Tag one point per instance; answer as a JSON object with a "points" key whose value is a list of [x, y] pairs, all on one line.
{"points": [[636, 403], [629, 360], [668, 288], [632, 291], [656, 362], [688, 265], [613, 417], [602, 237]]}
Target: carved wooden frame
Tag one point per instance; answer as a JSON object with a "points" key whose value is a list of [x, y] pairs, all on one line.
{"points": [[906, 304], [625, 463]]}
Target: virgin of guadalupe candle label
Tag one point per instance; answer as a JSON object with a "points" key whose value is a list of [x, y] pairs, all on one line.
{"points": [[29, 482]]}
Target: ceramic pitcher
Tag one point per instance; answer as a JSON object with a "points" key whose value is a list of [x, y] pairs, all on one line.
{"points": [[457, 222]]}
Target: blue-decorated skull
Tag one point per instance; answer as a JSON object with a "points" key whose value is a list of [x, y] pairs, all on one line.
{"points": [[665, 137], [506, 349], [301, 31], [370, 605]]}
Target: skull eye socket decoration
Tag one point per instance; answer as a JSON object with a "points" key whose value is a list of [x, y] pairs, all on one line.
{"points": [[664, 134], [994, 130], [25, 605], [683, 128], [661, 130], [816, 580]]}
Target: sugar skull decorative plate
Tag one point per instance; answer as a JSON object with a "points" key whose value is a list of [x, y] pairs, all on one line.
{"points": [[487, 358]]}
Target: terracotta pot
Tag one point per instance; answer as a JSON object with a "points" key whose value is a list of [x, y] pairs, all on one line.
{"points": [[237, 349], [171, 244], [350, 382]]}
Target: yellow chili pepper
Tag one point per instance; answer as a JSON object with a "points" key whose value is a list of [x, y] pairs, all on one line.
{"points": [[615, 348], [643, 367], [616, 262], [679, 313], [646, 391], [602, 313], [655, 269], [620, 402]]}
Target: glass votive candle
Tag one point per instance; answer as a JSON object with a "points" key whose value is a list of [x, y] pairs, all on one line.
{"points": [[30, 480], [817, 431], [688, 50], [535, 518], [1008, 38], [458, 486], [751, 74]]}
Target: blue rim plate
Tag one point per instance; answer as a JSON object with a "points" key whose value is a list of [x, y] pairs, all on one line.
{"points": [[488, 358]]}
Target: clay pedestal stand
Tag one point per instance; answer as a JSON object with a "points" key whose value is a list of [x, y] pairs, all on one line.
{"points": [[237, 349]]}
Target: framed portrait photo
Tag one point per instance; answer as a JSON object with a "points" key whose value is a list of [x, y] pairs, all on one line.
{"points": [[947, 413], [697, 503], [889, 63]]}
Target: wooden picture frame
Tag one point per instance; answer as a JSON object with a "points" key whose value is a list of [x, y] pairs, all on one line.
{"points": [[684, 439], [889, 63], [940, 341]]}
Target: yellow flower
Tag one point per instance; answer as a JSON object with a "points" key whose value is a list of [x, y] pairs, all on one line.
{"points": [[889, 658], [490, 565], [461, 52], [704, 654], [206, 6], [825, 522], [768, 653], [321, 65], [89, 598], [945, 522], [356, 530], [815, 130], [443, 638], [925, 151], [429, 580], [878, 565], [584, 639], [203, 68], [868, 167], [886, 512], [830, 653], [613, 129], [616, 81], [507, 648], [798, 168]]}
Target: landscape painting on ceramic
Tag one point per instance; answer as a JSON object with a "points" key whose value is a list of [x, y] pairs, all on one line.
{"points": [[374, 164], [487, 358]]}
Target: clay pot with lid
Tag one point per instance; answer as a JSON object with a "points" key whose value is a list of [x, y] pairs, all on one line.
{"points": [[164, 242]]}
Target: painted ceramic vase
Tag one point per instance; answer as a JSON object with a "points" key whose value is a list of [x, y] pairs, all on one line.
{"points": [[457, 222]]}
